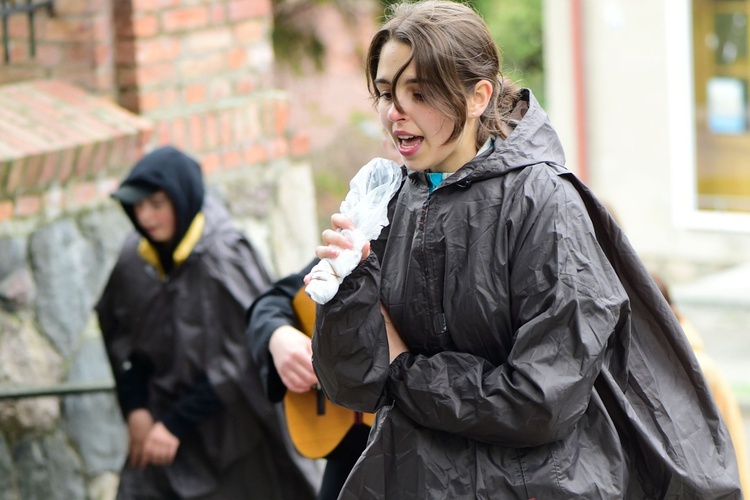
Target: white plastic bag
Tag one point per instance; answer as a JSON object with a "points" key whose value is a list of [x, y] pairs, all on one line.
{"points": [[366, 205]]}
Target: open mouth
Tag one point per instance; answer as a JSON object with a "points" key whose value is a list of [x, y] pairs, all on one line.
{"points": [[409, 144]]}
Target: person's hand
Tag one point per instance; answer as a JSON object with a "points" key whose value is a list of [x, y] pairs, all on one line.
{"points": [[291, 351], [395, 345], [140, 422], [160, 446], [334, 240]]}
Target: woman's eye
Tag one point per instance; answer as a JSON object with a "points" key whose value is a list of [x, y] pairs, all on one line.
{"points": [[385, 95], [418, 96]]}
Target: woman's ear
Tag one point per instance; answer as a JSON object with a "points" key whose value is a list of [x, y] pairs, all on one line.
{"points": [[480, 98]]}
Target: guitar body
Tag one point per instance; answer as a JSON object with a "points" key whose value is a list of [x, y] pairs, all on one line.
{"points": [[316, 435]]}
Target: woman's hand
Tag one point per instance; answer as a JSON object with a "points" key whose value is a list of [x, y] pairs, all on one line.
{"points": [[291, 351], [334, 240], [395, 345]]}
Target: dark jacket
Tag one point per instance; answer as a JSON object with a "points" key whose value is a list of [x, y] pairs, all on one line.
{"points": [[543, 361], [268, 312], [189, 325]]}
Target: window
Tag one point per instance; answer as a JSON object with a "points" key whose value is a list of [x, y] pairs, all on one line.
{"points": [[721, 76]]}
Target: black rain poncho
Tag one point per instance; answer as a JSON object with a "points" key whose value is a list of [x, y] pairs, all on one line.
{"points": [[544, 363], [189, 325]]}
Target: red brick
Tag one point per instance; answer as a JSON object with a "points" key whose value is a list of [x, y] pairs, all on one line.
{"points": [[144, 5], [78, 54], [184, 19], [163, 132], [158, 50], [197, 133], [83, 167], [123, 20], [231, 160], [299, 145], [211, 130], [6, 210], [28, 205], [220, 89], [195, 93], [83, 157], [255, 154], [49, 55], [237, 58], [67, 159], [48, 170], [199, 67], [83, 194], [19, 51], [116, 151], [145, 136], [149, 100], [125, 52], [18, 27], [101, 155], [101, 28], [281, 113], [242, 9], [209, 163], [179, 132], [225, 129], [146, 26], [103, 56], [13, 74], [218, 14], [249, 32], [279, 148], [131, 152], [65, 172], [66, 29], [155, 73], [246, 84], [201, 42], [14, 176], [68, 7]]}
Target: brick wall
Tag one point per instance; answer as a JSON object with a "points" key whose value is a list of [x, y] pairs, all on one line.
{"points": [[202, 72], [75, 44]]}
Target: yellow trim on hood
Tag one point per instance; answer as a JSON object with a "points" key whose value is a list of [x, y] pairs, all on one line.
{"points": [[148, 253]]}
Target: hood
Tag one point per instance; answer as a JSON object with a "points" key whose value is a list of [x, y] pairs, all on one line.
{"points": [[533, 140], [172, 171]]}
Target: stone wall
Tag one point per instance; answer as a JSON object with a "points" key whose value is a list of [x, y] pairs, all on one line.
{"points": [[110, 81]]}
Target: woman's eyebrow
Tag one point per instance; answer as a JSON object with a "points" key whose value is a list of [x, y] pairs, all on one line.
{"points": [[408, 81]]}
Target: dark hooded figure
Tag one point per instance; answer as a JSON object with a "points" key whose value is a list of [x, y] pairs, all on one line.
{"points": [[172, 318]]}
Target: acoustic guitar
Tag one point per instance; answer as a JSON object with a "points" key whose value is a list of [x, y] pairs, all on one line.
{"points": [[316, 425]]}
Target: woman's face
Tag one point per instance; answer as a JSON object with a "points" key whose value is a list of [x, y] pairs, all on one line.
{"points": [[155, 215], [418, 131]]}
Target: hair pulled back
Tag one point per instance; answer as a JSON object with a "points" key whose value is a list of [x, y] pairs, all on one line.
{"points": [[452, 50]]}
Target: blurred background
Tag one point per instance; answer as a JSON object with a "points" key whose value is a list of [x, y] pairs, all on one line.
{"points": [[649, 98]]}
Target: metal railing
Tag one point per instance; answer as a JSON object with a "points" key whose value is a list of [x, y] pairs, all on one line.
{"points": [[11, 7], [65, 389]]}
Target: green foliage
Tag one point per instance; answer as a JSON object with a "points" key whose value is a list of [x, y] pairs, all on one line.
{"points": [[294, 37], [516, 26]]}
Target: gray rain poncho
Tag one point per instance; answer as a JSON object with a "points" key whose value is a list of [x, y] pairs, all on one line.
{"points": [[544, 363]]}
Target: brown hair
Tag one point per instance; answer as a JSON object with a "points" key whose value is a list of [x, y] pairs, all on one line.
{"points": [[452, 50]]}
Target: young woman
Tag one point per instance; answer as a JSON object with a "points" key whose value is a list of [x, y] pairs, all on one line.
{"points": [[172, 317], [502, 327]]}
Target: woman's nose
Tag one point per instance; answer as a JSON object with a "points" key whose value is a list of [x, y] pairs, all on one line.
{"points": [[395, 114]]}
